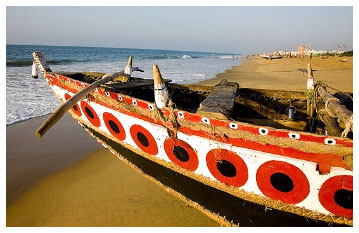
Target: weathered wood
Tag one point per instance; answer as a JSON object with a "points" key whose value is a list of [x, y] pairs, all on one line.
{"points": [[60, 111], [39, 59], [331, 124], [277, 123], [117, 86], [305, 72], [264, 110], [310, 88], [220, 100], [279, 94], [335, 108]]}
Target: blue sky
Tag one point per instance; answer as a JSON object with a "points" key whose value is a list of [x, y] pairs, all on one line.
{"points": [[214, 29]]}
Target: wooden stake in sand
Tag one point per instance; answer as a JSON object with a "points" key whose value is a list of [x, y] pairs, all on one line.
{"points": [[310, 79], [310, 88], [161, 92]]}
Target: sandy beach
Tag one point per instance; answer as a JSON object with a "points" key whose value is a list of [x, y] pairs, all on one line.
{"points": [[283, 74], [68, 179]]}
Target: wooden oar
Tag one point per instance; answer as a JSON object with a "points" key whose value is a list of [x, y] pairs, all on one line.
{"points": [[56, 116]]}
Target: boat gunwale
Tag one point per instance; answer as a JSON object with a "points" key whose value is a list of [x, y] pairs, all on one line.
{"points": [[341, 158], [102, 90]]}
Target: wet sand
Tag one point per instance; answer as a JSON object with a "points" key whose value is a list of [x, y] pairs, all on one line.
{"points": [[283, 74], [29, 159], [67, 179]]}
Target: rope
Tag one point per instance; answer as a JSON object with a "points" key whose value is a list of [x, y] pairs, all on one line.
{"points": [[173, 118], [348, 127], [173, 128], [349, 124], [326, 106]]}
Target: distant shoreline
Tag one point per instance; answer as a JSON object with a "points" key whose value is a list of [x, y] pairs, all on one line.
{"points": [[283, 74]]}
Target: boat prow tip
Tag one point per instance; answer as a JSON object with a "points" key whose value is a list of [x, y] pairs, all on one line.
{"points": [[129, 63], [157, 77]]}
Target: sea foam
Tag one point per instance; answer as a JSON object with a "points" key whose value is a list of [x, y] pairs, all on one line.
{"points": [[28, 98]]}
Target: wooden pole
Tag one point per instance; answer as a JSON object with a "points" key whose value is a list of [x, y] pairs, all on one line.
{"points": [[335, 108], [310, 86], [60, 111]]}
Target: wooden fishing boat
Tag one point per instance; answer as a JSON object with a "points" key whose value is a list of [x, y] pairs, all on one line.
{"points": [[271, 57], [242, 156]]}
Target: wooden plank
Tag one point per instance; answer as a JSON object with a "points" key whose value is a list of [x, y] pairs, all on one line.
{"points": [[117, 86], [60, 111], [335, 108], [277, 123], [265, 109], [220, 100]]}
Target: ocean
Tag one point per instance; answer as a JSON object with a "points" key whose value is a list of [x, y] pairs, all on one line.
{"points": [[27, 98]]}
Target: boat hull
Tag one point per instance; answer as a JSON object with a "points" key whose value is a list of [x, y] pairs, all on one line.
{"points": [[221, 206], [234, 168]]}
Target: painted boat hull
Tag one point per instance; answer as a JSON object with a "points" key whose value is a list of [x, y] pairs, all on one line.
{"points": [[123, 123], [212, 201]]}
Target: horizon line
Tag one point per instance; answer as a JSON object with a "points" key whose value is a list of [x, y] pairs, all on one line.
{"points": [[111, 47]]}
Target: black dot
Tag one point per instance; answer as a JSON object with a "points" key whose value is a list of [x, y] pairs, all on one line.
{"points": [[114, 126], [282, 182], [344, 198], [74, 107], [180, 153], [226, 168], [142, 139], [89, 113], [263, 131], [330, 141]]}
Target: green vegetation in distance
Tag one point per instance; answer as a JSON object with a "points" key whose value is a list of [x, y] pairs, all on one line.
{"points": [[347, 54]]}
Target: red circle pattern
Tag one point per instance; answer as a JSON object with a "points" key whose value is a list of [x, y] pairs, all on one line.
{"points": [[216, 155], [327, 191], [77, 111], [152, 145], [191, 164], [95, 121], [300, 182], [107, 117]]}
